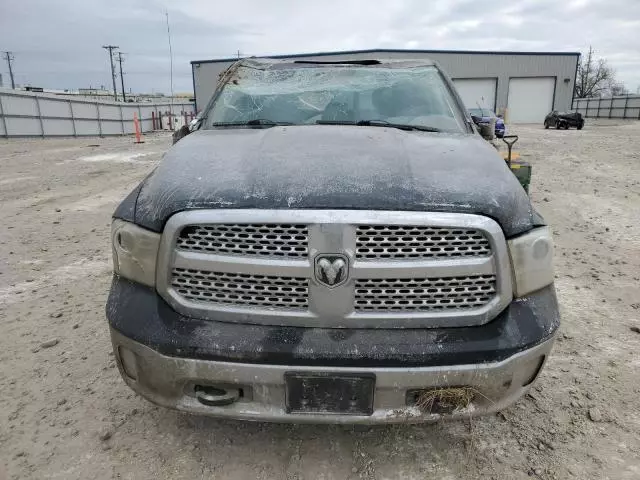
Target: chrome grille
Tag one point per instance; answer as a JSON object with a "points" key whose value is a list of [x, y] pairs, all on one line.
{"points": [[290, 241], [241, 290], [401, 242], [405, 269], [425, 294]]}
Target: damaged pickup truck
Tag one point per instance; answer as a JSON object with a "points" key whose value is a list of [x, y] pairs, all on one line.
{"points": [[332, 242]]}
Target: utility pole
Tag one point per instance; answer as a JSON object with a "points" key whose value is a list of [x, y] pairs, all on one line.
{"points": [[9, 58], [170, 60], [111, 48], [120, 60]]}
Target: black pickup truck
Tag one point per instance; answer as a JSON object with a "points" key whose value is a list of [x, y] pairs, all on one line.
{"points": [[332, 242], [564, 120]]}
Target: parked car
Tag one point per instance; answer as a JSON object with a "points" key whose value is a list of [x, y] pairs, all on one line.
{"points": [[564, 120], [486, 115], [332, 242]]}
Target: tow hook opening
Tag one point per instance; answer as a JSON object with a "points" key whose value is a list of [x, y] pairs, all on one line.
{"points": [[217, 396]]}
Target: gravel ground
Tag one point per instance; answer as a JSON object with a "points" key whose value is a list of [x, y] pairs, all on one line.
{"points": [[65, 413]]}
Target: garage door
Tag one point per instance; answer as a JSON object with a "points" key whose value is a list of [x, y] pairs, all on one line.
{"points": [[477, 91], [530, 99]]}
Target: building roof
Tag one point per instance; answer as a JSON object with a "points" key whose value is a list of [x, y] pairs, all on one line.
{"points": [[391, 50], [277, 63]]}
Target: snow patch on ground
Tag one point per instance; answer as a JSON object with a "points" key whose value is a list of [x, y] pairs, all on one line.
{"points": [[8, 181], [118, 157], [71, 272], [94, 203]]}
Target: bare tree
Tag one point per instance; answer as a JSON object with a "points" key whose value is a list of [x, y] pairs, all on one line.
{"points": [[595, 76]]}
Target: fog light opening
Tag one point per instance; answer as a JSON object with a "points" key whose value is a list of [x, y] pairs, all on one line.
{"points": [[128, 362], [536, 371]]}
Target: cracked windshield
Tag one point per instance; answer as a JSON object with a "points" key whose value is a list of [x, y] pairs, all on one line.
{"points": [[409, 98]]}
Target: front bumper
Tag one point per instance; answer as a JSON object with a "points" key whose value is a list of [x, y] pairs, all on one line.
{"points": [[171, 382], [163, 356]]}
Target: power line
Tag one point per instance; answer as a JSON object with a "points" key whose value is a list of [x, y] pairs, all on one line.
{"points": [[9, 58], [111, 48], [120, 60]]}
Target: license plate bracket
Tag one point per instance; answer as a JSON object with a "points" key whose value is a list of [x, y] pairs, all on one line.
{"points": [[343, 394]]}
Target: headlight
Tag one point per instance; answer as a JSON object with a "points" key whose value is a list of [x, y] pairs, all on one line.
{"points": [[532, 260], [134, 252]]}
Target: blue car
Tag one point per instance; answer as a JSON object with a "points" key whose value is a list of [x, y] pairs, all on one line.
{"points": [[486, 116]]}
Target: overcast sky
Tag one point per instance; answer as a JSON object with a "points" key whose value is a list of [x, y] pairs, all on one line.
{"points": [[57, 43]]}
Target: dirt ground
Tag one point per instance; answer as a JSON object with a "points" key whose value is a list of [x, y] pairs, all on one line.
{"points": [[66, 414]]}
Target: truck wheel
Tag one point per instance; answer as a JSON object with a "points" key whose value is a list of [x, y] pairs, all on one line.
{"points": [[557, 125], [546, 125], [580, 126], [565, 126]]}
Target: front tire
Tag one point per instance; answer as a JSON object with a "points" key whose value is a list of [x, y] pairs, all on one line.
{"points": [[546, 125], [557, 125]]}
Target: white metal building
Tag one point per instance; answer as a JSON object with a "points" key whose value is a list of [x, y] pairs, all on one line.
{"points": [[524, 86]]}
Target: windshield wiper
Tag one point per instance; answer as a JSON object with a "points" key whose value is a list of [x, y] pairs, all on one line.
{"points": [[253, 122], [401, 126], [379, 123]]}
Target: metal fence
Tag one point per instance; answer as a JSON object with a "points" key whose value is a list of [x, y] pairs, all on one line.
{"points": [[627, 106], [24, 114]]}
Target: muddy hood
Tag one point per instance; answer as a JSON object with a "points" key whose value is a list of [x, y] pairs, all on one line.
{"points": [[333, 167]]}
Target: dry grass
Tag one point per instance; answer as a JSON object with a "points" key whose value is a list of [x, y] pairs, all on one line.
{"points": [[445, 400]]}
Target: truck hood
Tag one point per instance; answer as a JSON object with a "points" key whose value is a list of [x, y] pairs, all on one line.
{"points": [[333, 167]]}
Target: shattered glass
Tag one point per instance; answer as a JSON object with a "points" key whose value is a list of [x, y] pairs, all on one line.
{"points": [[307, 95]]}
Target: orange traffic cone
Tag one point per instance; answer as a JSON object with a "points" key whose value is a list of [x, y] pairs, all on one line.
{"points": [[136, 125]]}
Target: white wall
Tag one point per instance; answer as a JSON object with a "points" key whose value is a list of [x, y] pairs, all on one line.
{"points": [[27, 114]]}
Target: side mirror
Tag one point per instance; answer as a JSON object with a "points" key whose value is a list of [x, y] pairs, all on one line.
{"points": [[185, 130], [487, 130], [182, 132]]}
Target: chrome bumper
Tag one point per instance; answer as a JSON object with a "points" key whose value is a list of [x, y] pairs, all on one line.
{"points": [[171, 381]]}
